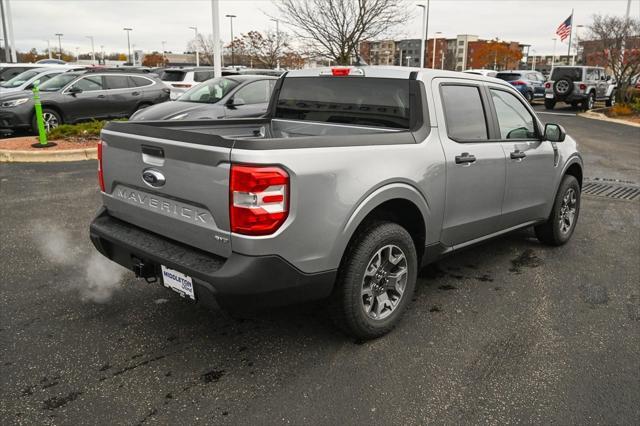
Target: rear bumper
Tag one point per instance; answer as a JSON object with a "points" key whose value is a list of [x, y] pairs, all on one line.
{"points": [[573, 97], [245, 282]]}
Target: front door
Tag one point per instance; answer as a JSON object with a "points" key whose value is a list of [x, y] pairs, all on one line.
{"points": [[475, 165], [530, 160], [92, 102]]}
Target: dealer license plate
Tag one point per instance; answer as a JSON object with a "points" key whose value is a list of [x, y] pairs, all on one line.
{"points": [[178, 282], [548, 95]]}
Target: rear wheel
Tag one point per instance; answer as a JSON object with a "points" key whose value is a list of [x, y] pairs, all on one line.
{"points": [[557, 230], [588, 103], [612, 100], [376, 281], [574, 104], [50, 118], [549, 103]]}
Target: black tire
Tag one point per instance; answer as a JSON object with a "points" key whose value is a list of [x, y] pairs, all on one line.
{"points": [[612, 100], [551, 232], [529, 96], [588, 103], [49, 115], [347, 304], [549, 103], [574, 104]]}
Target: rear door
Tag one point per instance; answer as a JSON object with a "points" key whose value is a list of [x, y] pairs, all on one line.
{"points": [[190, 203], [250, 100], [530, 161], [91, 103], [475, 165], [123, 98]]}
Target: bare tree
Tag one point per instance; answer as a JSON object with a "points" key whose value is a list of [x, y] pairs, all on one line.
{"points": [[333, 29], [204, 46], [614, 42], [266, 48]]}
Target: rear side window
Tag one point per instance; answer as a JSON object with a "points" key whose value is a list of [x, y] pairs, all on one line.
{"points": [[138, 81], [379, 102], [117, 82], [201, 76], [257, 92], [172, 75], [572, 74], [464, 113]]}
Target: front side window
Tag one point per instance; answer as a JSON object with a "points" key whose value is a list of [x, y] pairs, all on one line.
{"points": [[257, 92], [210, 92], [464, 113], [515, 121], [89, 84]]}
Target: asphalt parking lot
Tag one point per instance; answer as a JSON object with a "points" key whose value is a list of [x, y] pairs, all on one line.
{"points": [[507, 332]]}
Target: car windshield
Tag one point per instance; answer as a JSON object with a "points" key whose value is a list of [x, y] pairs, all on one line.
{"points": [[57, 82], [508, 76], [172, 75], [573, 74], [210, 91], [20, 79]]}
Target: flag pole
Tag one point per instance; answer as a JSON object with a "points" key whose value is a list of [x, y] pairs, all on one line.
{"points": [[570, 35]]}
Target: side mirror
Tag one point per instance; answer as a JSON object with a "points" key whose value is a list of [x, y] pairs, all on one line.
{"points": [[554, 132], [608, 78], [235, 101], [74, 90]]}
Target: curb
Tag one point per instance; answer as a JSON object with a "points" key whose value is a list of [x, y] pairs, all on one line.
{"points": [[600, 116], [9, 156]]}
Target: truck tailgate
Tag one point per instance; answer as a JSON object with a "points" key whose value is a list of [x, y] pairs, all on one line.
{"points": [[191, 205]]}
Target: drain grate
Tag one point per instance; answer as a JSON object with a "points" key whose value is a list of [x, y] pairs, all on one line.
{"points": [[611, 189]]}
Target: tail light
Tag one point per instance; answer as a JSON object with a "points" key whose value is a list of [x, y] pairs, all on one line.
{"points": [[583, 87], [258, 199], [518, 83], [100, 175], [547, 85]]}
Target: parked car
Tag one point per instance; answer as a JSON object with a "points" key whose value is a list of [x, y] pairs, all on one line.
{"points": [[225, 97], [484, 72], [8, 71], [182, 79], [529, 83], [25, 80], [82, 95], [356, 178], [51, 61], [579, 86]]}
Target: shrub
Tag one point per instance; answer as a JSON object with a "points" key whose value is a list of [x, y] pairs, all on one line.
{"points": [[88, 130], [635, 105], [621, 110]]}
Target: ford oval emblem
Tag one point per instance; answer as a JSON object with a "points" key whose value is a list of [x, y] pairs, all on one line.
{"points": [[153, 178]]}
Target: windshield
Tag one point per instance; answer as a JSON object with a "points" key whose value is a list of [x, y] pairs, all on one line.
{"points": [[172, 75], [20, 79], [380, 102], [573, 74], [57, 82], [210, 91], [508, 76]]}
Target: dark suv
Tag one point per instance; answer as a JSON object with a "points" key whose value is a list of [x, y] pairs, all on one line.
{"points": [[579, 86], [529, 83], [80, 96]]}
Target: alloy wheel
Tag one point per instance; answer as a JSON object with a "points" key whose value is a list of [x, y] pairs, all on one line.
{"points": [[50, 121], [384, 282], [568, 210]]}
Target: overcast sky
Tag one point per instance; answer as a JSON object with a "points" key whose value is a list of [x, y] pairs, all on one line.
{"points": [[531, 22]]}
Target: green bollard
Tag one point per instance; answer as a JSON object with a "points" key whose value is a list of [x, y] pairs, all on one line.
{"points": [[42, 133]]}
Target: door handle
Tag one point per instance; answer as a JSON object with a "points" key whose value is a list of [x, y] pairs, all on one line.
{"points": [[465, 158], [101, 96], [518, 155], [135, 93]]}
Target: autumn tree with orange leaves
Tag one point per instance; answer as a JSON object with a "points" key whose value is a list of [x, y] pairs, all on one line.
{"points": [[496, 54]]}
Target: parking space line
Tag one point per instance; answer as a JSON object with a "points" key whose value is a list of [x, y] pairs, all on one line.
{"points": [[556, 113]]}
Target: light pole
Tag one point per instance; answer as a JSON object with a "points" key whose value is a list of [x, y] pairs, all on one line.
{"points": [[164, 57], [77, 54], [553, 58], [102, 53], [442, 59], [197, 53], [93, 51], [233, 58], [433, 59], [573, 58], [217, 47], [277, 43], [128, 30], [49, 48], [59, 45], [425, 30], [533, 60]]}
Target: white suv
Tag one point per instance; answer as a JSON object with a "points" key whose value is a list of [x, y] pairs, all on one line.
{"points": [[182, 79]]}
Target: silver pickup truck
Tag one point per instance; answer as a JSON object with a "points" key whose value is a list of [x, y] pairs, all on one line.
{"points": [[355, 179]]}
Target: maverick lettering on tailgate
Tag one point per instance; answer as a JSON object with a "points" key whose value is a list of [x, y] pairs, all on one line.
{"points": [[165, 206]]}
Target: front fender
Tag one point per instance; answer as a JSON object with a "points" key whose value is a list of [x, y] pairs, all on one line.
{"points": [[376, 198]]}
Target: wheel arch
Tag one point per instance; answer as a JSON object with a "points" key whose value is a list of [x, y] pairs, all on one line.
{"points": [[55, 108], [400, 203], [574, 169]]}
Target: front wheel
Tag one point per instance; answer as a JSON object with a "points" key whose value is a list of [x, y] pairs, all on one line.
{"points": [[376, 281], [50, 118], [557, 230], [588, 103], [549, 103], [612, 100]]}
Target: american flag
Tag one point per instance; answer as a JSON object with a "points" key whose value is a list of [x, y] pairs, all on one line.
{"points": [[564, 30]]}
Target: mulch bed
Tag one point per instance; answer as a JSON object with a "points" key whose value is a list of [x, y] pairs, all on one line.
{"points": [[23, 143]]}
